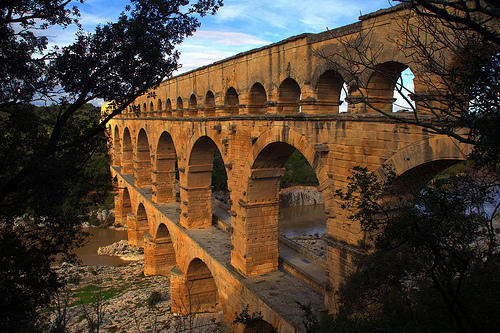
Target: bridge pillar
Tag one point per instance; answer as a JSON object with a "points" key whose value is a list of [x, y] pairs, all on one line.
{"points": [[196, 207], [142, 167], [163, 185], [137, 227], [159, 255], [255, 238], [127, 160], [119, 218]]}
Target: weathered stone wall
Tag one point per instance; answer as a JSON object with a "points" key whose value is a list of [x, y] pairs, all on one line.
{"points": [[300, 196]]}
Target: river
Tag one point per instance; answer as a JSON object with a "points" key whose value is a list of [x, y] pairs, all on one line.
{"points": [[293, 221]]}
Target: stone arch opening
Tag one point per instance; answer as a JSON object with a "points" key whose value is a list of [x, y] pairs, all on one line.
{"points": [[127, 153], [257, 99], [179, 105], [163, 176], [202, 294], [159, 105], [123, 208], [168, 107], [138, 226], [381, 85], [196, 197], [151, 106], [159, 252], [289, 97], [142, 162], [144, 108], [232, 101], [209, 103], [117, 148], [328, 92], [193, 106]]}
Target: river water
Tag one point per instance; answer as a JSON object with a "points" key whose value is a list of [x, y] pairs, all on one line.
{"points": [[293, 221]]}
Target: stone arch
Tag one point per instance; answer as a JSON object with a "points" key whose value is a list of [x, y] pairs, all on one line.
{"points": [[151, 106], [209, 103], [117, 148], [179, 103], [163, 176], [259, 208], [257, 99], [196, 197], [427, 157], [195, 291], [168, 107], [142, 162], [159, 252], [289, 97], [138, 226], [144, 107], [193, 106], [127, 158], [328, 90], [159, 105], [123, 206], [380, 86], [232, 101]]}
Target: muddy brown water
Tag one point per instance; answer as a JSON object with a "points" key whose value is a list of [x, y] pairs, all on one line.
{"points": [[293, 221]]}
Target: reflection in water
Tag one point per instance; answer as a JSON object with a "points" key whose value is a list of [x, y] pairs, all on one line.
{"points": [[302, 220], [100, 237]]}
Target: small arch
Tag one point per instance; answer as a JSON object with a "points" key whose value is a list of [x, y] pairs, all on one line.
{"points": [[381, 84], [193, 106], [232, 101], [257, 99], [151, 107], [328, 91], [127, 153], [168, 107], [159, 105], [117, 149], [144, 108], [289, 97], [179, 103], [142, 163], [209, 103]]}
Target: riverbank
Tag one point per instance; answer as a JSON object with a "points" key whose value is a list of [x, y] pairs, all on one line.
{"points": [[121, 299]]}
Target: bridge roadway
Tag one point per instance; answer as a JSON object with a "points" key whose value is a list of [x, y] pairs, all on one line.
{"points": [[274, 294]]}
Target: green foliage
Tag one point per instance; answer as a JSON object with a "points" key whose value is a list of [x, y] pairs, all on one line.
{"points": [[219, 175], [254, 321], [298, 172], [153, 299], [430, 259]]}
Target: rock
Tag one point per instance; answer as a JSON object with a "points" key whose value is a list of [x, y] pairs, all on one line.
{"points": [[300, 196], [123, 250]]}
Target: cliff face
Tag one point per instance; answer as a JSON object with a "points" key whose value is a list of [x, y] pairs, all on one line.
{"points": [[300, 195]]}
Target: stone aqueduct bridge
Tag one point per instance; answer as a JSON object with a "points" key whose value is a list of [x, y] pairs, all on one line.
{"points": [[257, 108]]}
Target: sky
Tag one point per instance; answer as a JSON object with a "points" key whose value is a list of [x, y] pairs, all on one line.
{"points": [[239, 25]]}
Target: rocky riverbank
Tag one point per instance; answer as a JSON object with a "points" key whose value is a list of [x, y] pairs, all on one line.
{"points": [[300, 196], [123, 250], [121, 299]]}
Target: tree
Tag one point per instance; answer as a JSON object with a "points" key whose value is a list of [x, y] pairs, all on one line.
{"points": [[45, 152]]}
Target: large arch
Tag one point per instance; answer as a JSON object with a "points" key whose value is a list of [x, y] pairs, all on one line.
{"points": [[138, 226], [159, 252], [163, 175], [195, 291], [257, 99], [123, 206], [198, 192], [127, 153], [289, 97], [117, 148], [142, 161]]}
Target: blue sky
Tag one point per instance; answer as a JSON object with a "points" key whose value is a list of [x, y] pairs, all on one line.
{"points": [[239, 25]]}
